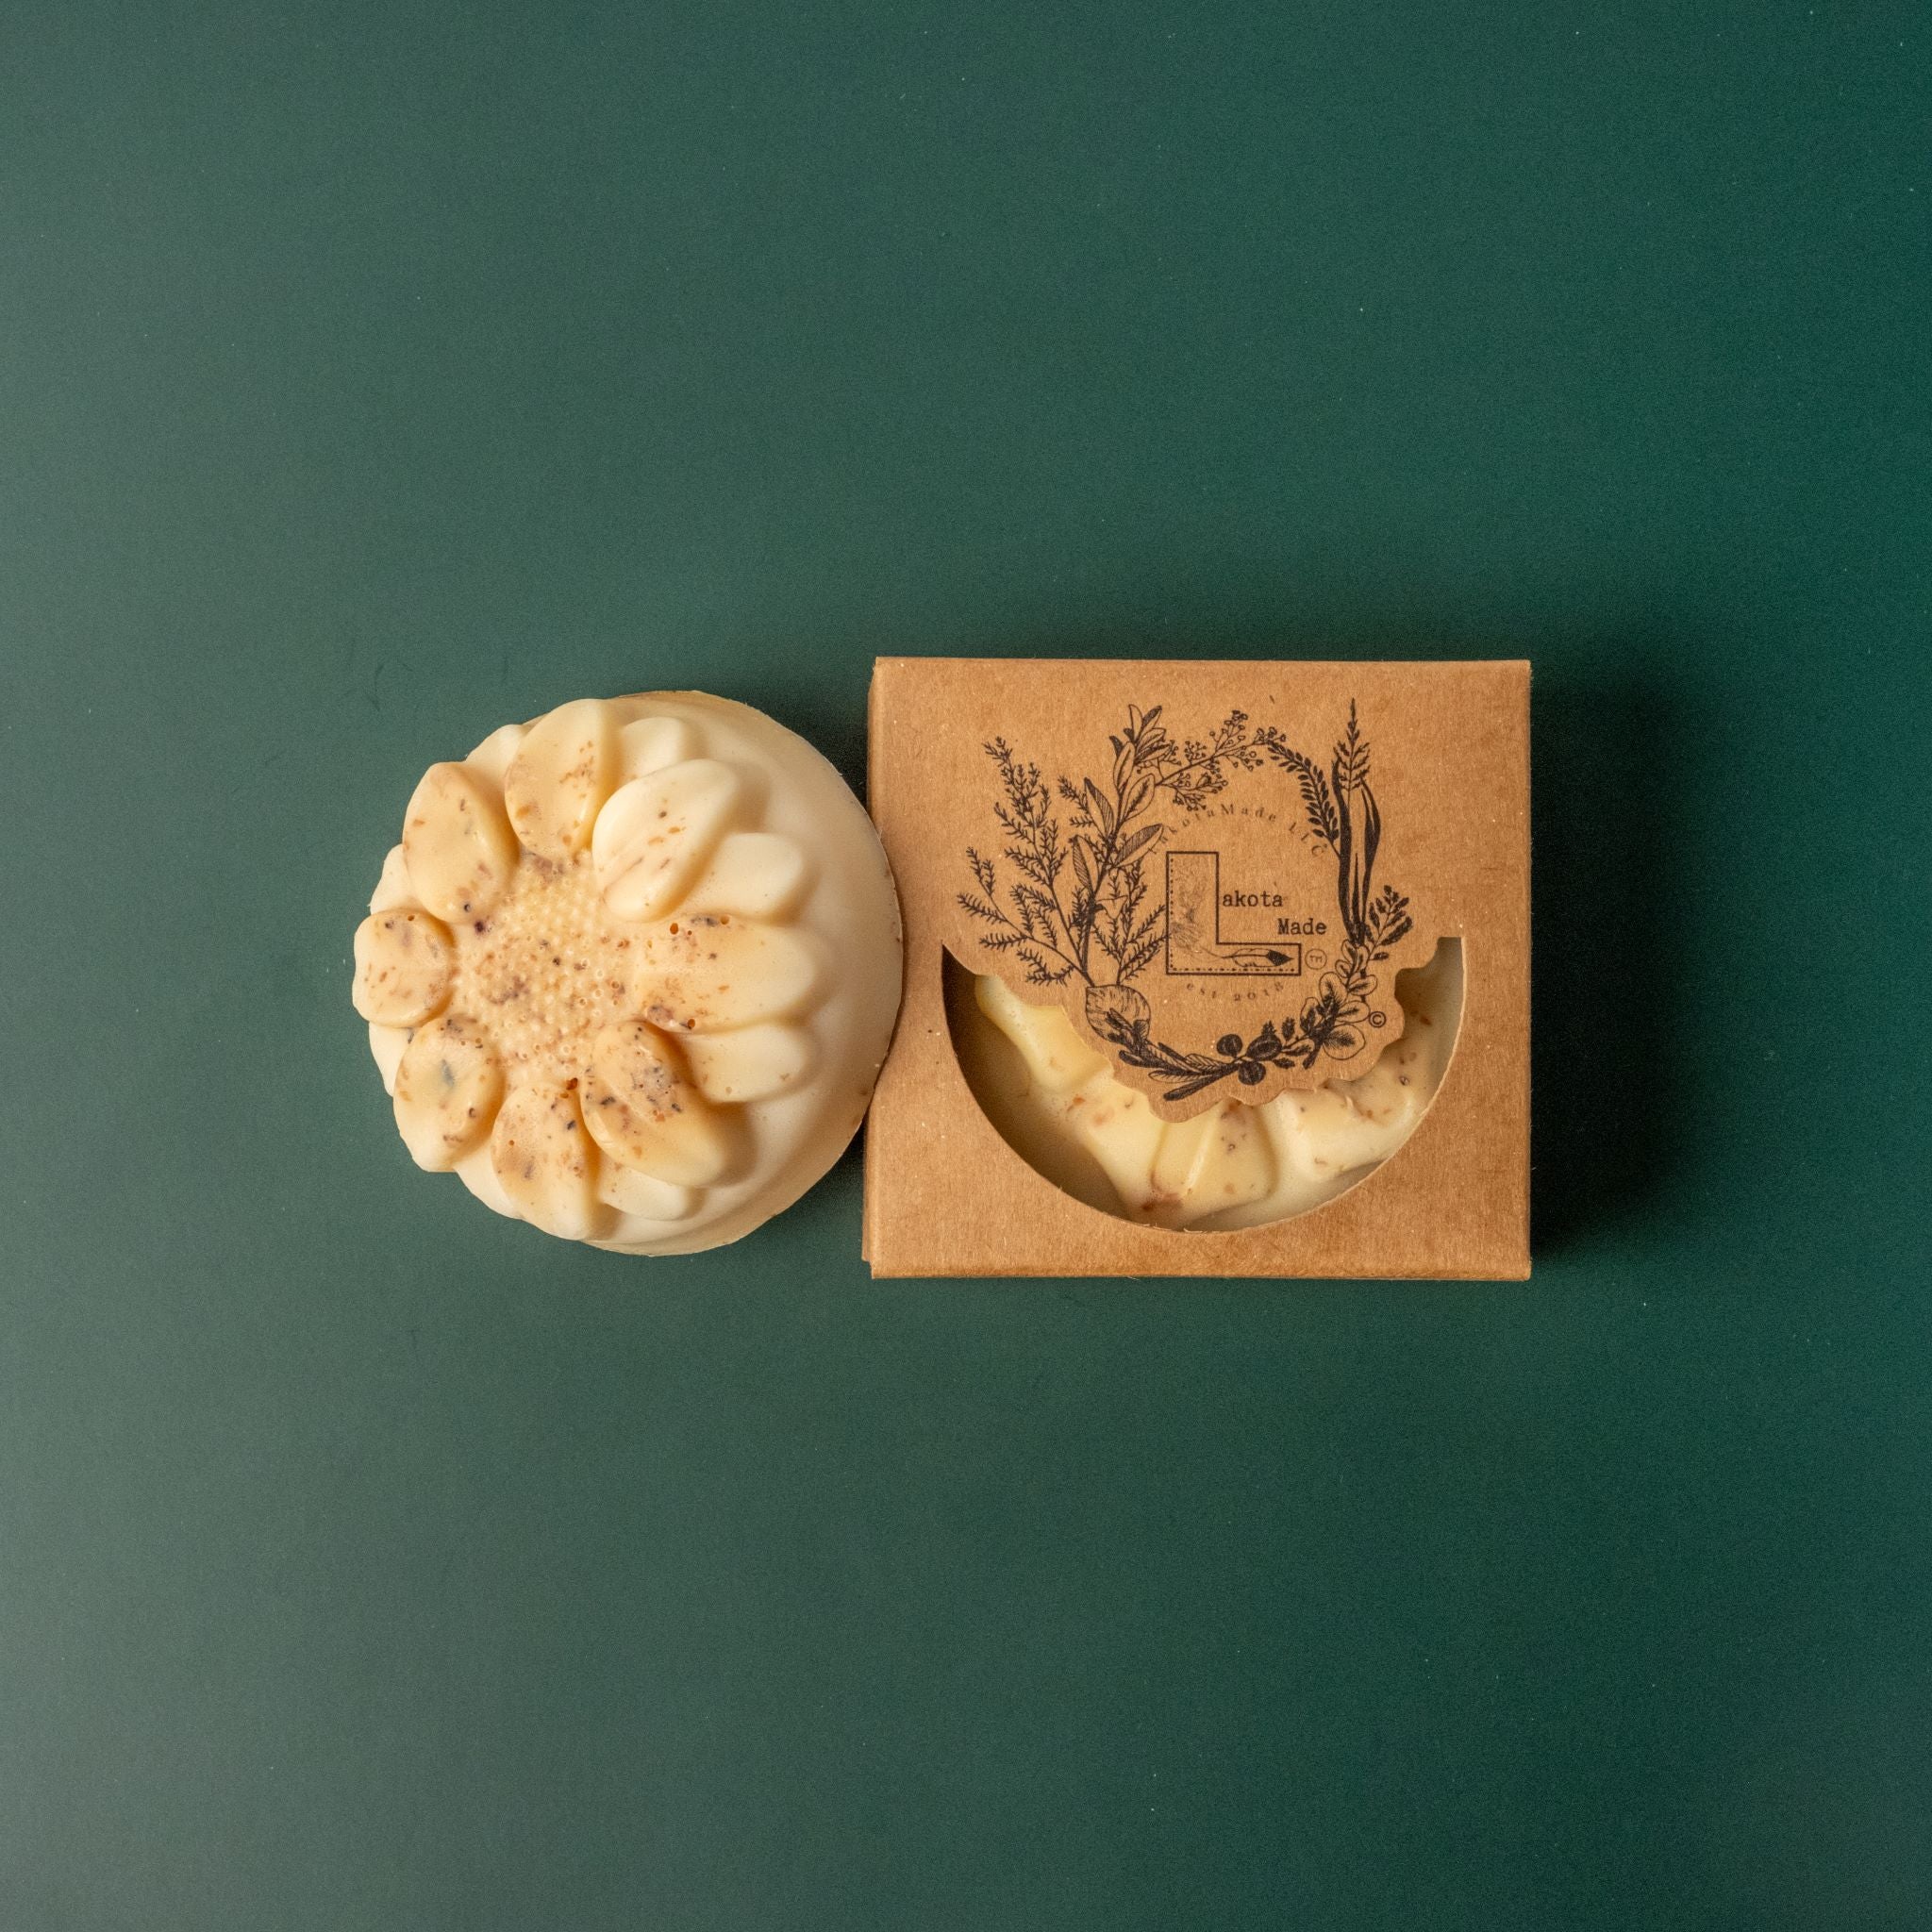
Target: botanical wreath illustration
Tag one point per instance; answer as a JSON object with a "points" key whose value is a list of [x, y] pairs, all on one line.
{"points": [[1076, 902]]}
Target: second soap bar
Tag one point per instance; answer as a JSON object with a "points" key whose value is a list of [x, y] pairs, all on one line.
{"points": [[632, 969]]}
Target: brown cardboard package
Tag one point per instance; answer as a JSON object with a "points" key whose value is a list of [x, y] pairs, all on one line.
{"points": [[1216, 870]]}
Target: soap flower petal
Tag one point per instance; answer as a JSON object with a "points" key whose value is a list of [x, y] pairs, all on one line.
{"points": [[751, 876], [547, 1163], [749, 1062], [563, 770], [458, 844], [711, 973], [405, 961], [647, 1114], [449, 1084], [655, 835]]}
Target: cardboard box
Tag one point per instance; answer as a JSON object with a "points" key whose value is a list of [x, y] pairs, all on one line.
{"points": [[1278, 840]]}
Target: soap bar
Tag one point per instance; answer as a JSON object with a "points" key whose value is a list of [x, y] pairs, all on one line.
{"points": [[632, 969], [1057, 1103]]}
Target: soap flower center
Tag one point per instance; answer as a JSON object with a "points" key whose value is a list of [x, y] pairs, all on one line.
{"points": [[549, 968]]}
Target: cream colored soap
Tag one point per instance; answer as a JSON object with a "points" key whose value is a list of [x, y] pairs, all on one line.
{"points": [[1058, 1104], [632, 971]]}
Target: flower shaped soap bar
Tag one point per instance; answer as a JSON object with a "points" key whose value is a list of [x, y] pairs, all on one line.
{"points": [[1058, 1104], [632, 969]]}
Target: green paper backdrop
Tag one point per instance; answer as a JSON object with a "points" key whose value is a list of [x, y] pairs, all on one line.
{"points": [[370, 375]]}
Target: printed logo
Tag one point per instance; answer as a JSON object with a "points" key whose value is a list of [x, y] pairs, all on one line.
{"points": [[1212, 931], [1267, 876]]}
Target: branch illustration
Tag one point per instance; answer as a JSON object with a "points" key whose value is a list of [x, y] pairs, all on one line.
{"points": [[1076, 899]]}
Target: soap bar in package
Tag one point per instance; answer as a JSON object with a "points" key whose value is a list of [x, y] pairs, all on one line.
{"points": [[1213, 968]]}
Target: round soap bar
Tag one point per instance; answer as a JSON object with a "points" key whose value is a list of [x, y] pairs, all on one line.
{"points": [[632, 969], [1056, 1102]]}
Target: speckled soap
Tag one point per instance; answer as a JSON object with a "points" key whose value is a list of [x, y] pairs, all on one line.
{"points": [[1056, 1103], [632, 969]]}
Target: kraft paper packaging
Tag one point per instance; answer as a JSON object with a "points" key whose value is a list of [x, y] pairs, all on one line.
{"points": [[1216, 871]]}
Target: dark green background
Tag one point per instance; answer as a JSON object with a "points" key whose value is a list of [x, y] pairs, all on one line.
{"points": [[370, 375]]}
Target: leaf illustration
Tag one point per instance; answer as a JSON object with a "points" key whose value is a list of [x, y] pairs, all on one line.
{"points": [[1351, 756], [1103, 811], [1318, 802], [1115, 1013], [1070, 895]]}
